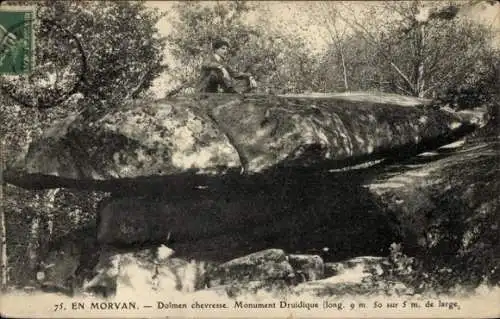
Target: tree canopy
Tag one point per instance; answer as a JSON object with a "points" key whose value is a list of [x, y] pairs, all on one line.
{"points": [[90, 56], [396, 49], [279, 63], [117, 60]]}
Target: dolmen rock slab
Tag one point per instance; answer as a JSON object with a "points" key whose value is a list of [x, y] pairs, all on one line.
{"points": [[182, 141]]}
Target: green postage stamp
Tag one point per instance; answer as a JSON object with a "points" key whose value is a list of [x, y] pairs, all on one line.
{"points": [[16, 40]]}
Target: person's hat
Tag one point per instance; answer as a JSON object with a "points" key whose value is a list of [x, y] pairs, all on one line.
{"points": [[219, 43]]}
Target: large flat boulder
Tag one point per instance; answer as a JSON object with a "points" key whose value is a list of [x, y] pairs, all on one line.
{"points": [[184, 141]]}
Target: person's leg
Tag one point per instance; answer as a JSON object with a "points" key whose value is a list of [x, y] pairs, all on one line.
{"points": [[226, 84], [216, 79], [209, 83], [243, 85]]}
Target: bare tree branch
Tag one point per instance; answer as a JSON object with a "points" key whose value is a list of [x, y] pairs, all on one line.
{"points": [[366, 34], [330, 17], [133, 92]]}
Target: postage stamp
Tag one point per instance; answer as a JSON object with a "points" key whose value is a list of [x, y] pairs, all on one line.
{"points": [[16, 40]]}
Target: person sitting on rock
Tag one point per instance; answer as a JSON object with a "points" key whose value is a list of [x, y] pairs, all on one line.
{"points": [[216, 76]]}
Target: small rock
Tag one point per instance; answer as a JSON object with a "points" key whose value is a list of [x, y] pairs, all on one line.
{"points": [[264, 265], [311, 267], [333, 269]]}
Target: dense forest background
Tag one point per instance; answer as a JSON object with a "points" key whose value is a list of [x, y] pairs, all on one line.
{"points": [[101, 55]]}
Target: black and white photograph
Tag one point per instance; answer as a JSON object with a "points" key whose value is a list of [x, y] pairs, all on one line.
{"points": [[280, 159]]}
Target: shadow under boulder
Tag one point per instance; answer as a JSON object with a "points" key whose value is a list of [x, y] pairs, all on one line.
{"points": [[300, 211]]}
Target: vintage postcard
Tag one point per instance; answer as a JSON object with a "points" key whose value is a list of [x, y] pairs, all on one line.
{"points": [[327, 159]]}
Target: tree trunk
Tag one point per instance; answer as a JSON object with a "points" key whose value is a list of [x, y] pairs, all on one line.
{"points": [[420, 80], [49, 210], [335, 37], [33, 244], [418, 87], [3, 240], [344, 69], [41, 229]]}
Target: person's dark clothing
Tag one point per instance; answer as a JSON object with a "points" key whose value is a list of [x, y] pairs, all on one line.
{"points": [[213, 79]]}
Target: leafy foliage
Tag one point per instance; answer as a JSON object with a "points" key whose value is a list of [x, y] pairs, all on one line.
{"points": [[279, 63], [482, 89], [391, 50], [91, 55], [117, 60]]}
